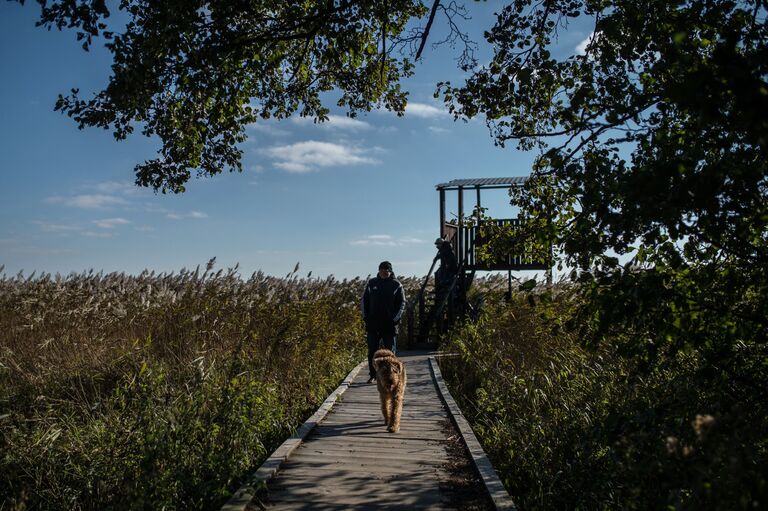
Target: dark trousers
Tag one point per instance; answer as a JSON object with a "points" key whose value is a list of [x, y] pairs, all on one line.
{"points": [[375, 340]]}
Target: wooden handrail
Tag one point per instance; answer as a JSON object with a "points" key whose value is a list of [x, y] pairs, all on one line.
{"points": [[448, 294], [412, 302]]}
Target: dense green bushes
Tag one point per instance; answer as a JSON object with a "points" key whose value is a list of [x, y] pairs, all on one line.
{"points": [[160, 390], [575, 428]]}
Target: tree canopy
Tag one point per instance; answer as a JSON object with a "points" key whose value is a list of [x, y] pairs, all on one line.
{"points": [[653, 144]]}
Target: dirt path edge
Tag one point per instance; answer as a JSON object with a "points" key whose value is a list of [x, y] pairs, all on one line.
{"points": [[494, 486]]}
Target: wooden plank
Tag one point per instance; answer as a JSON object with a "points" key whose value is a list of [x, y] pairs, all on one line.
{"points": [[370, 470], [372, 407], [393, 450], [377, 419], [361, 492], [380, 434], [335, 505], [354, 480], [338, 502], [434, 429], [382, 449], [368, 459], [362, 457], [343, 454], [373, 410]]}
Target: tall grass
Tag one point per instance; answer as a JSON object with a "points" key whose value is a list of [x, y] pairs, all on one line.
{"points": [[575, 428], [160, 390]]}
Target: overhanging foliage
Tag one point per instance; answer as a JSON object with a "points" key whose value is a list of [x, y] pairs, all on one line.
{"points": [[653, 145]]}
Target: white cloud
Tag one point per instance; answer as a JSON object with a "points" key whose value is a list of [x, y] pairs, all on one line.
{"points": [[423, 110], [92, 201], [117, 188], [266, 128], [366, 242], [111, 223], [385, 240], [102, 195], [191, 214], [100, 234], [308, 156], [294, 167], [49, 227], [581, 48], [437, 129], [335, 121]]}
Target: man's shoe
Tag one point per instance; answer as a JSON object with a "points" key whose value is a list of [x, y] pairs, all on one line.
{"points": [[371, 379]]}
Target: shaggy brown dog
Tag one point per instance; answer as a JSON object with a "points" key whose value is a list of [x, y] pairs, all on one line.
{"points": [[390, 380]]}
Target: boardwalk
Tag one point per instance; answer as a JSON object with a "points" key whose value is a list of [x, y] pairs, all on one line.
{"points": [[350, 461]]}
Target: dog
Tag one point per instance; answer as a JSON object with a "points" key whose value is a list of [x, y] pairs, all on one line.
{"points": [[390, 380]]}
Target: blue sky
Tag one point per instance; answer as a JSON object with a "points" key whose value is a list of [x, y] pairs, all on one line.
{"points": [[337, 197]]}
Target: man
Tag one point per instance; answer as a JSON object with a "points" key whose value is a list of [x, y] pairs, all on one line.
{"points": [[444, 277], [382, 305], [449, 266]]}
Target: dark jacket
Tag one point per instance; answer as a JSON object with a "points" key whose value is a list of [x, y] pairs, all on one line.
{"points": [[449, 266], [383, 304]]}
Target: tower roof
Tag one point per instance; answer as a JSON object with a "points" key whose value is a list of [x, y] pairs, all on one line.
{"points": [[483, 182]]}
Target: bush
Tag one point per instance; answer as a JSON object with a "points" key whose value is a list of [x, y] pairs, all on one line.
{"points": [[575, 428]]}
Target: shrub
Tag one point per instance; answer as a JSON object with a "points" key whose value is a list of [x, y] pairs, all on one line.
{"points": [[574, 428]]}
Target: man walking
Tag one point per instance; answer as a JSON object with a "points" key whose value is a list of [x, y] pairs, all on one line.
{"points": [[382, 305]]}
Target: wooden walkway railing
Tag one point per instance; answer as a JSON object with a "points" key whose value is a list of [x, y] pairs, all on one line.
{"points": [[349, 461], [467, 240]]}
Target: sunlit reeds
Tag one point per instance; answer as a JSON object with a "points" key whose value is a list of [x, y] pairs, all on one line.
{"points": [[160, 390]]}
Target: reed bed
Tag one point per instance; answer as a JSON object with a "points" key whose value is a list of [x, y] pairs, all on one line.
{"points": [[574, 428], [160, 390]]}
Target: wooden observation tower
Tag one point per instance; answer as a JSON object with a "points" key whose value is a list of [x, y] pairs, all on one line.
{"points": [[431, 313]]}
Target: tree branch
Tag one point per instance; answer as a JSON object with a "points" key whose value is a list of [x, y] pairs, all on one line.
{"points": [[425, 34]]}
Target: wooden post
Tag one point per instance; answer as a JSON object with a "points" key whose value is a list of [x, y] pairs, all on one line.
{"points": [[477, 188], [442, 212], [460, 244], [462, 257], [478, 218]]}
